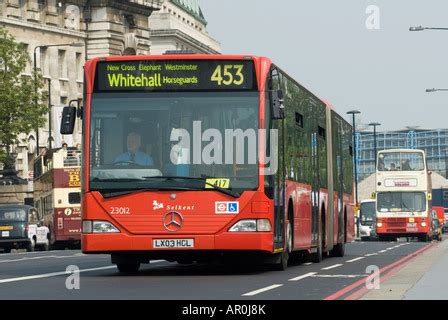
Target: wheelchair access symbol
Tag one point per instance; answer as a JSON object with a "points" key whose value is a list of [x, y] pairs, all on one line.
{"points": [[227, 207]]}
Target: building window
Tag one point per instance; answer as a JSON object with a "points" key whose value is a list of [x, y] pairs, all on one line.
{"points": [[62, 65], [79, 73], [41, 4], [43, 62], [64, 101]]}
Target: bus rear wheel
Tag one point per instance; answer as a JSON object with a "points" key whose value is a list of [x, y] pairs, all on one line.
{"points": [[338, 250], [128, 267]]}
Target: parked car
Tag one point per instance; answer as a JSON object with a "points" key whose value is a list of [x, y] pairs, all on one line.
{"points": [[436, 229], [20, 228]]}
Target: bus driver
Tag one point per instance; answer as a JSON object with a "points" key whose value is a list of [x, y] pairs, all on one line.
{"points": [[134, 155]]}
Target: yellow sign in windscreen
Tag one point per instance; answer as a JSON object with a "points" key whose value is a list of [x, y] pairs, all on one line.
{"points": [[221, 183]]}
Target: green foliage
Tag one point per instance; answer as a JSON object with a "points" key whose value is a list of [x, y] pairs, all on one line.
{"points": [[22, 101]]}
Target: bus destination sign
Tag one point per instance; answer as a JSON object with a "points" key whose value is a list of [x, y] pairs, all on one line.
{"points": [[176, 75]]}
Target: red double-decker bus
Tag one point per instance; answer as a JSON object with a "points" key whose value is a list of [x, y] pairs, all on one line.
{"points": [[201, 157], [57, 196]]}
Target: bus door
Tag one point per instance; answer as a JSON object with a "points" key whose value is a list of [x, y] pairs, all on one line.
{"points": [[279, 189], [314, 190]]}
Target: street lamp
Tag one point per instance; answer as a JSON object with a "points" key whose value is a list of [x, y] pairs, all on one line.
{"points": [[435, 90], [420, 28], [374, 124], [353, 113], [74, 44]]}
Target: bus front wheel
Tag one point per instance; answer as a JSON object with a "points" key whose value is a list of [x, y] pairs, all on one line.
{"points": [[282, 264], [128, 267]]}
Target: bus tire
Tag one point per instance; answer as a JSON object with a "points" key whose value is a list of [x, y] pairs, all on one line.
{"points": [[282, 263], [318, 255], [128, 268], [338, 250]]}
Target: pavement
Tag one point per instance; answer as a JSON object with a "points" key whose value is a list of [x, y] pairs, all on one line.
{"points": [[44, 275], [423, 278]]}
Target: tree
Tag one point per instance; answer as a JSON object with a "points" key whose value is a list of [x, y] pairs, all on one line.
{"points": [[21, 95]]}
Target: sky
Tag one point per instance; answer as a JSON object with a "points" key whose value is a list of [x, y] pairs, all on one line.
{"points": [[326, 46]]}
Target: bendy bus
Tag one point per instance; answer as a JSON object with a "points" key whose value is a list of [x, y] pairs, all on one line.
{"points": [[202, 157]]}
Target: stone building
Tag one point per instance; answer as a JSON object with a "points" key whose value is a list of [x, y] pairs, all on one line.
{"points": [[181, 25], [63, 34], [84, 29]]}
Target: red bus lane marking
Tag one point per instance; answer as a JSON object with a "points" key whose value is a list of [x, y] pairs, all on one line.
{"points": [[358, 294], [358, 283]]}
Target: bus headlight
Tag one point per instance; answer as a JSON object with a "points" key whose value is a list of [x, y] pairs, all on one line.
{"points": [[252, 225], [379, 224], [244, 226], [423, 224], [98, 227]]}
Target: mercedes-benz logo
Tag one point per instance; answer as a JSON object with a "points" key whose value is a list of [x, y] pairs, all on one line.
{"points": [[173, 221]]}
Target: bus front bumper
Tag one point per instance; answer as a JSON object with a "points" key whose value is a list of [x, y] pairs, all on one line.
{"points": [[104, 243]]}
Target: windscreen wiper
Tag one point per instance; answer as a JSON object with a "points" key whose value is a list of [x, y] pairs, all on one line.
{"points": [[228, 192], [405, 206], [117, 179], [116, 193]]}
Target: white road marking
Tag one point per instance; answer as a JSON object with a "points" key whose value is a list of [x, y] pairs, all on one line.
{"points": [[356, 259], [38, 258], [371, 254], [53, 274], [253, 293], [332, 267], [308, 264], [382, 251], [303, 276], [27, 253], [339, 276]]}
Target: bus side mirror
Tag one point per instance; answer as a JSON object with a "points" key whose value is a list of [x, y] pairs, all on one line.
{"points": [[68, 120], [277, 107]]}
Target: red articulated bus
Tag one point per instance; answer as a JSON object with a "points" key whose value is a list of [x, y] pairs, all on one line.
{"points": [[203, 157]]}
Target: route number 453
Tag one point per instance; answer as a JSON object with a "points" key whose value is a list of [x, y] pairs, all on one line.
{"points": [[228, 75]]}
